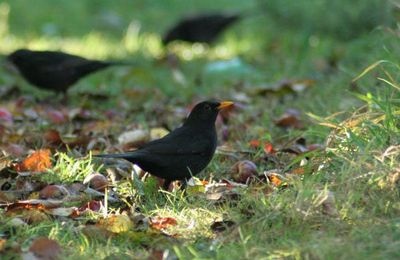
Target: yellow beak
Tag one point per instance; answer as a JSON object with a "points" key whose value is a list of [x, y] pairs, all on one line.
{"points": [[224, 104]]}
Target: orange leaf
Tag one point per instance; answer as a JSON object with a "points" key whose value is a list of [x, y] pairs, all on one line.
{"points": [[161, 223], [268, 148], [254, 143], [204, 182], [275, 180], [39, 161]]}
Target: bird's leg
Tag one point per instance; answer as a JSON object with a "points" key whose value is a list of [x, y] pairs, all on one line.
{"points": [[166, 184], [183, 184]]}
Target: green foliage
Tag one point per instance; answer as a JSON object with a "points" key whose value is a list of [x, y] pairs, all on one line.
{"points": [[329, 41], [341, 18]]}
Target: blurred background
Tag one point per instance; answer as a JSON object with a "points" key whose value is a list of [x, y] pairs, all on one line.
{"points": [[276, 39]]}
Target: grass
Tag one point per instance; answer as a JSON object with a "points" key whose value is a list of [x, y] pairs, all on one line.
{"points": [[357, 121]]}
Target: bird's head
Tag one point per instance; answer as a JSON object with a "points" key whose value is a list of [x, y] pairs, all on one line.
{"points": [[207, 111], [18, 56]]}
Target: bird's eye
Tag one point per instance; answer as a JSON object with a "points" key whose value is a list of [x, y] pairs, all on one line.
{"points": [[207, 107]]}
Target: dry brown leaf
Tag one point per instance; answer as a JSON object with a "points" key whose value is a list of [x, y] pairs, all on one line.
{"points": [[243, 171], [299, 170], [96, 181], [53, 192], [291, 119], [93, 205], [45, 248], [53, 137]]}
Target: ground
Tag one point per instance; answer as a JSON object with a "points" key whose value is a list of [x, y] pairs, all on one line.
{"points": [[315, 125]]}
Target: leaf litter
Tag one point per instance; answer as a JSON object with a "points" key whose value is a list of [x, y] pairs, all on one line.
{"points": [[30, 196]]}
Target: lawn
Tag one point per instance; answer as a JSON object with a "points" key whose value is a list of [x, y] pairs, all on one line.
{"points": [[315, 126]]}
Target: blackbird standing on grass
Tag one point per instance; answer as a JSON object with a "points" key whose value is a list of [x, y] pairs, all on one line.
{"points": [[54, 70], [200, 28], [185, 151]]}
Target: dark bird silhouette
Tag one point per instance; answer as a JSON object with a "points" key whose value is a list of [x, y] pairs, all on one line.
{"points": [[200, 28], [185, 151], [54, 70]]}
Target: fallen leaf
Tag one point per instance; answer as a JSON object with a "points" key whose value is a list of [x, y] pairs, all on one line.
{"points": [[15, 150], [39, 161], [53, 137], [45, 248], [275, 180], [53, 192], [285, 86], [63, 212], [34, 203], [96, 181], [299, 170], [157, 133], [57, 117], [223, 191], [116, 223], [243, 171], [93, 205], [219, 226], [255, 143], [160, 223], [290, 119], [267, 146], [133, 138]]}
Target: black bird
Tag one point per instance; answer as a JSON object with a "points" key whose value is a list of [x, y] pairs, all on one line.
{"points": [[200, 28], [185, 151], [54, 70]]}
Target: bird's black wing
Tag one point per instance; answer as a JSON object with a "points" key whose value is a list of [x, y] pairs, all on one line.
{"points": [[53, 61], [189, 146], [175, 143]]}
